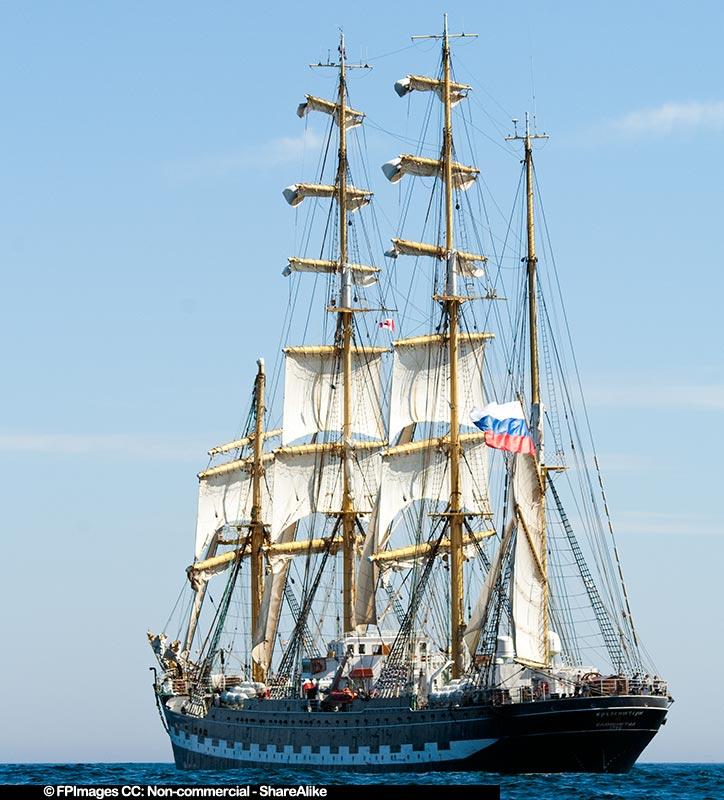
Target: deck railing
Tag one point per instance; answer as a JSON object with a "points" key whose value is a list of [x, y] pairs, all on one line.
{"points": [[597, 687]]}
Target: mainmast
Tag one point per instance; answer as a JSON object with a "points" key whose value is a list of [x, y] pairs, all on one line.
{"points": [[457, 625], [454, 176]]}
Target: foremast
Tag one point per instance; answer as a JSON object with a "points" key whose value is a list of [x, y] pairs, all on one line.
{"points": [[345, 323], [257, 520]]}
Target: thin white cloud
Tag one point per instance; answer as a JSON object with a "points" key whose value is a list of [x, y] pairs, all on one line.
{"points": [[670, 118], [670, 524], [117, 445], [700, 397], [273, 153]]}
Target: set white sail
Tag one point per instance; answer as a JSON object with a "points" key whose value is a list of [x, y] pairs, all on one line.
{"points": [[411, 473], [420, 389], [420, 471], [313, 392], [271, 604], [225, 500], [311, 477]]}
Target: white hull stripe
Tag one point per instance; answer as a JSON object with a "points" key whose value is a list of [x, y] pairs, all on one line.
{"points": [[287, 755]]}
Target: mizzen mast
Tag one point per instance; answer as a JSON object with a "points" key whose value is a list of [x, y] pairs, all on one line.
{"points": [[540, 550], [532, 270]]}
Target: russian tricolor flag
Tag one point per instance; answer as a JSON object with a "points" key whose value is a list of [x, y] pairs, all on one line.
{"points": [[504, 426]]}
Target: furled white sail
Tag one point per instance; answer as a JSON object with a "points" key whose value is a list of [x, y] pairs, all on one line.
{"points": [[421, 377], [356, 198], [421, 83], [466, 264], [352, 118], [308, 479], [463, 177], [528, 588], [362, 275], [406, 557], [420, 471], [314, 392], [225, 498]]}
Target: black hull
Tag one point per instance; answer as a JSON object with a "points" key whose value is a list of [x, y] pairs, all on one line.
{"points": [[605, 734]]}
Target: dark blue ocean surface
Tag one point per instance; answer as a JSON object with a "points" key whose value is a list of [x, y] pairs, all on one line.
{"points": [[644, 782]]}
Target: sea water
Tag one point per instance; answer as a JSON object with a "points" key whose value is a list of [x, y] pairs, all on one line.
{"points": [[644, 782]]}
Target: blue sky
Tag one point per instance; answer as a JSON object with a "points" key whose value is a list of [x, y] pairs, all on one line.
{"points": [[143, 149]]}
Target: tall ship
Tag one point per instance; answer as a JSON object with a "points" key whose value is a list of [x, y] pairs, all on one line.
{"points": [[405, 560]]}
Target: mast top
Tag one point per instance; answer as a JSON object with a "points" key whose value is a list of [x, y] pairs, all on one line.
{"points": [[342, 58], [532, 261], [445, 35], [527, 137]]}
